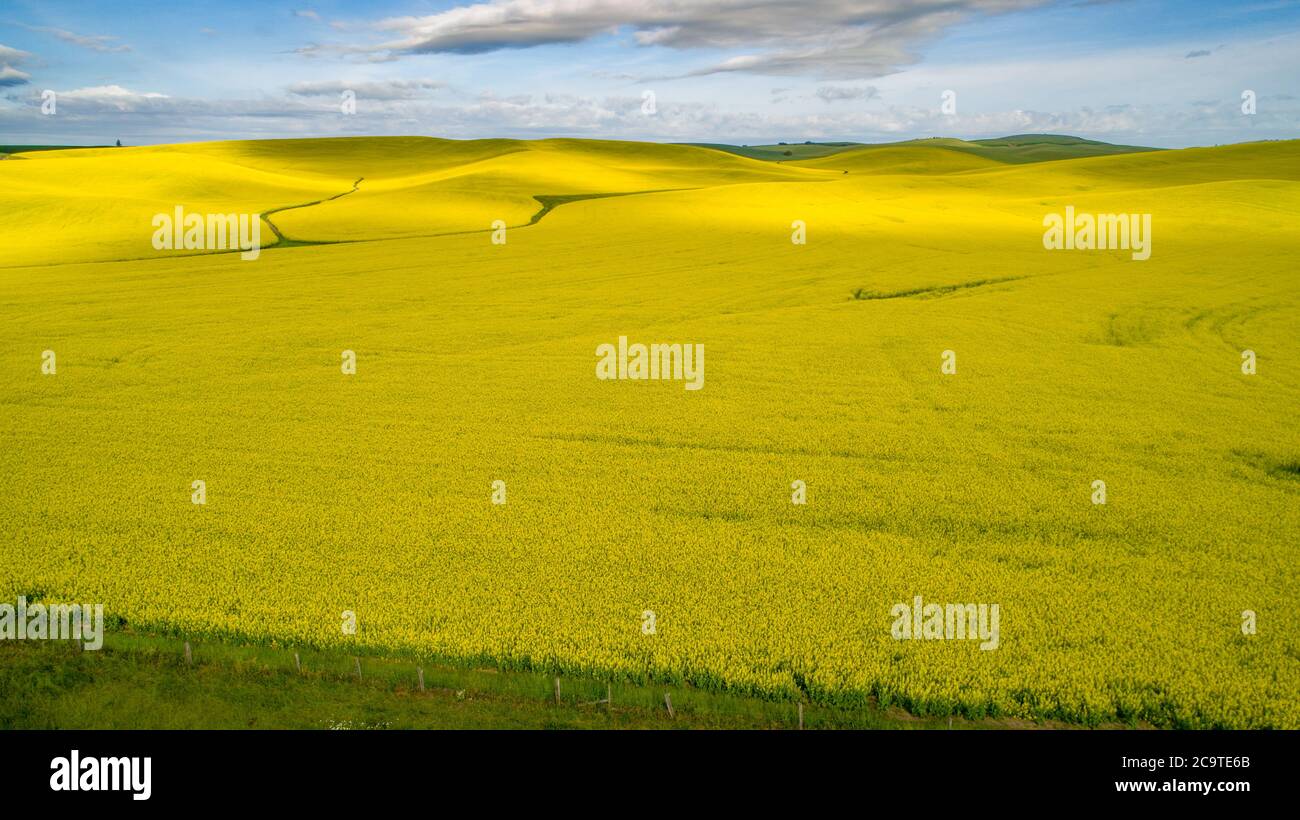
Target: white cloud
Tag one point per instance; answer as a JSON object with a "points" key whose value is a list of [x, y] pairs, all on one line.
{"points": [[834, 93], [10, 77], [105, 92], [12, 56], [109, 98], [94, 42], [382, 90], [830, 38]]}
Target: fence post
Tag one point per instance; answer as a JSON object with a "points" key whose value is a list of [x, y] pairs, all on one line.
{"points": [[557, 691], [297, 663], [800, 714], [358, 660], [420, 671], [189, 654], [668, 701]]}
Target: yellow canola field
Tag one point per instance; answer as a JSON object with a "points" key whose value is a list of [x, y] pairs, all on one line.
{"points": [[371, 492]]}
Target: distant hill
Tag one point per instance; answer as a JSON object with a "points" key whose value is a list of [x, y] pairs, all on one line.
{"points": [[781, 152], [18, 149], [908, 158], [1042, 147], [1017, 149]]}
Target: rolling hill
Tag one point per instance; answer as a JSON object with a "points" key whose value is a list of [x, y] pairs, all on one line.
{"points": [[1021, 148], [371, 492]]}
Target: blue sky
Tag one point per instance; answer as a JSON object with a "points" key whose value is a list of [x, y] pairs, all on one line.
{"points": [[1149, 72]]}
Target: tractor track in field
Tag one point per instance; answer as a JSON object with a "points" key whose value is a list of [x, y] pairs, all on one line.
{"points": [[867, 295], [548, 202], [284, 241]]}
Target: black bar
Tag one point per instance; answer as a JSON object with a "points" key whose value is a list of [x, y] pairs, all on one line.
{"points": [[301, 769]]}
